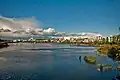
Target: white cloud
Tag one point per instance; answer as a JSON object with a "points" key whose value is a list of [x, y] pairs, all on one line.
{"points": [[60, 33], [49, 30], [23, 27], [18, 26], [10, 34], [13, 27]]}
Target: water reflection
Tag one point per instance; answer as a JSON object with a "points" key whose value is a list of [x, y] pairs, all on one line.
{"points": [[80, 58], [52, 62]]}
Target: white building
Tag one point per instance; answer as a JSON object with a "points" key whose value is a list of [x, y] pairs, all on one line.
{"points": [[31, 39]]}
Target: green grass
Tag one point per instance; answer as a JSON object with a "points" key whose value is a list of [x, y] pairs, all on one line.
{"points": [[90, 59]]}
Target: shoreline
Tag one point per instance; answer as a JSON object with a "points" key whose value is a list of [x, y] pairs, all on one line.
{"points": [[105, 49], [15, 46], [100, 49], [3, 44]]}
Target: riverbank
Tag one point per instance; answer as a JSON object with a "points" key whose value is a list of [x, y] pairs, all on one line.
{"points": [[103, 50], [3, 44]]}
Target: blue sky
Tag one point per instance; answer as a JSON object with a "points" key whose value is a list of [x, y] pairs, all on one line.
{"points": [[101, 16]]}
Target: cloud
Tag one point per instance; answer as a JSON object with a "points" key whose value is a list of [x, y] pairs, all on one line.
{"points": [[60, 34], [22, 27], [25, 27], [18, 24], [49, 31], [18, 27]]}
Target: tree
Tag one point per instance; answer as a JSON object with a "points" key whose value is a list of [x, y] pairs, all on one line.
{"points": [[103, 40], [107, 40], [118, 39], [114, 53]]}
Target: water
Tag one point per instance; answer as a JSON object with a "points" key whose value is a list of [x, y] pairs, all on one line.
{"points": [[50, 62]]}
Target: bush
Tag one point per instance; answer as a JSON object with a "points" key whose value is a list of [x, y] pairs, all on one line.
{"points": [[114, 53], [90, 59]]}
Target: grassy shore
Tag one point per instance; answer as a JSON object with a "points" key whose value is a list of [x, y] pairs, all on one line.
{"points": [[90, 59], [106, 47]]}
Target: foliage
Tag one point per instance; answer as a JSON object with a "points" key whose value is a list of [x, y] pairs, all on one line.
{"points": [[114, 53], [90, 59]]}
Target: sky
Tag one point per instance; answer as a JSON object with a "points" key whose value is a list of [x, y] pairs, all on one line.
{"points": [[99, 16]]}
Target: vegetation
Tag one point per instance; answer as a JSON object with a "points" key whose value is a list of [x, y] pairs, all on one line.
{"points": [[118, 68], [90, 59], [110, 48], [114, 53], [105, 67]]}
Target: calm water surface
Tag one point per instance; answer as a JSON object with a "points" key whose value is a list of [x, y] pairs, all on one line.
{"points": [[50, 62]]}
